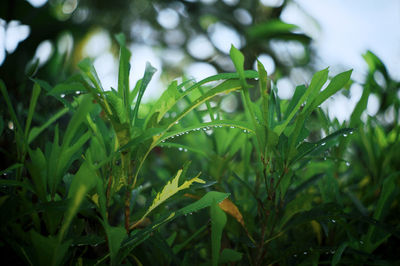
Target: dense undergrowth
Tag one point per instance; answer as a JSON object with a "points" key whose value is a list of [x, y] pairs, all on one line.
{"points": [[182, 182]]}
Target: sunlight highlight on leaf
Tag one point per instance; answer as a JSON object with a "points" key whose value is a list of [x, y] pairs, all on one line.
{"points": [[170, 189]]}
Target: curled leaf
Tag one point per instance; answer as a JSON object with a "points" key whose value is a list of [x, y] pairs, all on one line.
{"points": [[230, 208]]}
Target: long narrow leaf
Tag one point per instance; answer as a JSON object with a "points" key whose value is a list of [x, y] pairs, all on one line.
{"points": [[35, 131], [218, 221], [32, 105], [148, 74], [123, 74]]}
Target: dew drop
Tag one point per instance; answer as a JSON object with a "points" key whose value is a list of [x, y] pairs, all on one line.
{"points": [[62, 95], [323, 144], [351, 132], [305, 252], [244, 130], [180, 148], [332, 251], [347, 163], [295, 255], [232, 127], [361, 242], [333, 221], [344, 135], [77, 92], [209, 131], [185, 150]]}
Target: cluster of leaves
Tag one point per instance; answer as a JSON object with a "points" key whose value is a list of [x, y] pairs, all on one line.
{"points": [[280, 182]]}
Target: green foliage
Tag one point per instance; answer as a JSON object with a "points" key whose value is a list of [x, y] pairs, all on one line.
{"points": [[280, 183]]}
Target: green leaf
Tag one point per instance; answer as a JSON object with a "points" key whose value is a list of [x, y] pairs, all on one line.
{"points": [[217, 123], [225, 87], [84, 181], [38, 171], [185, 148], [238, 60], [14, 118], [375, 237], [123, 75], [148, 74], [62, 156], [264, 91], [31, 111], [117, 106], [48, 250], [223, 76], [15, 183], [89, 74], [311, 93], [338, 254], [85, 106], [10, 168], [299, 204], [31, 67], [115, 236], [229, 255], [166, 101], [374, 63], [337, 83], [361, 106], [298, 93], [67, 154], [270, 29], [35, 131], [66, 88], [317, 81], [307, 147], [218, 221], [180, 95]]}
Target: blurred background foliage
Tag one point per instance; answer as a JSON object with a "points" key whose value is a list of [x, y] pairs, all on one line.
{"points": [[62, 32]]}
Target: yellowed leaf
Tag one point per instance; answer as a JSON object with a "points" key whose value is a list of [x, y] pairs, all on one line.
{"points": [[170, 189], [317, 230], [230, 208]]}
